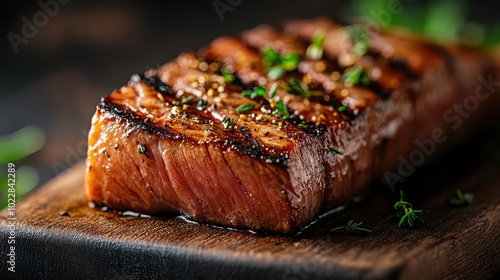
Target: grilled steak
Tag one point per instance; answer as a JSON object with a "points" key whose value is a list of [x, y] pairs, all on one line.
{"points": [[230, 137]]}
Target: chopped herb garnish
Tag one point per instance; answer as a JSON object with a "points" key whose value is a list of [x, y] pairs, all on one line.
{"points": [[297, 87], [351, 228], [360, 39], [315, 49], [228, 76], [458, 198], [256, 92], [406, 213], [187, 100], [201, 104], [290, 61], [277, 64], [335, 150], [274, 90], [270, 58], [341, 108], [227, 123], [244, 128], [142, 150], [281, 110], [275, 72], [303, 125], [244, 107], [356, 75]]}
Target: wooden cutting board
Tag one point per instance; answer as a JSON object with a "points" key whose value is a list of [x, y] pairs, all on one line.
{"points": [[59, 236]]}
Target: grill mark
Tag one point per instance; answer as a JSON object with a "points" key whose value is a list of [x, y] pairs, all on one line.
{"points": [[238, 143], [157, 84], [106, 105], [335, 100], [315, 128]]}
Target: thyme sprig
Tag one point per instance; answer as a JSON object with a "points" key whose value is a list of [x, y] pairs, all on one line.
{"points": [[335, 150], [187, 100], [278, 64], [228, 75], [256, 92], [351, 228], [356, 75], [360, 39], [315, 49], [405, 212], [459, 199], [297, 88], [280, 109], [244, 107]]}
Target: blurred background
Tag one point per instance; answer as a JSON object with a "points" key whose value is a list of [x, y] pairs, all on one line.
{"points": [[59, 57]]}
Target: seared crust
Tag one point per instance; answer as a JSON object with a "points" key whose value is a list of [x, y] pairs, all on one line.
{"points": [[172, 141]]}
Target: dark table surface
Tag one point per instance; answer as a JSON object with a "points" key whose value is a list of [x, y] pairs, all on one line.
{"points": [[85, 49]]}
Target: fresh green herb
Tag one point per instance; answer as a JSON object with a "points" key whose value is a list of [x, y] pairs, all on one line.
{"points": [[341, 108], [187, 100], [297, 87], [281, 110], [14, 149], [274, 90], [405, 212], [315, 49], [256, 92], [228, 76], [360, 39], [334, 150], [277, 64], [458, 198], [275, 72], [244, 107], [142, 150], [227, 123], [303, 125], [351, 228], [201, 104], [356, 75]]}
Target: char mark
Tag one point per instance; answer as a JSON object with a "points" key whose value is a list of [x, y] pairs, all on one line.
{"points": [[144, 124]]}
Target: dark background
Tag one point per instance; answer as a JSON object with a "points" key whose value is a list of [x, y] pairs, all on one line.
{"points": [[89, 48]]}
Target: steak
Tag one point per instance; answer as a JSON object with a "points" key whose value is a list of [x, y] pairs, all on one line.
{"points": [[213, 137]]}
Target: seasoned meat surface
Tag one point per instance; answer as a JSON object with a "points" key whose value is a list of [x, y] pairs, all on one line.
{"points": [[254, 132]]}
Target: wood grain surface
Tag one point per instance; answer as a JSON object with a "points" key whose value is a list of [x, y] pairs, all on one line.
{"points": [[59, 236]]}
